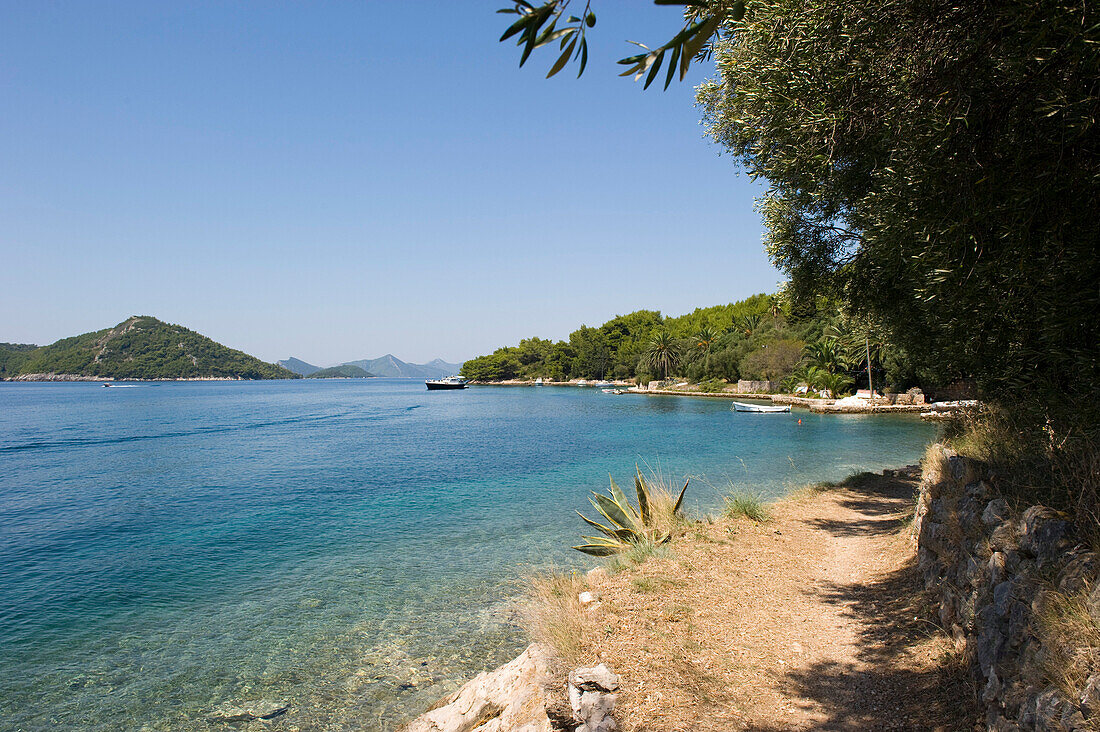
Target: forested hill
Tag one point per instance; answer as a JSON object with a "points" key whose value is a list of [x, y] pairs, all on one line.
{"points": [[140, 347], [732, 332], [759, 338]]}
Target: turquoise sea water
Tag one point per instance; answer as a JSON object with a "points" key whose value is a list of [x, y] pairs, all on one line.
{"points": [[350, 547]]}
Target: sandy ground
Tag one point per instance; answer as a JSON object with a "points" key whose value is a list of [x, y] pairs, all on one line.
{"points": [[813, 620]]}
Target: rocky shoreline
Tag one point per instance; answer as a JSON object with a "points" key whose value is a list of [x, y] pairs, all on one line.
{"points": [[108, 379]]}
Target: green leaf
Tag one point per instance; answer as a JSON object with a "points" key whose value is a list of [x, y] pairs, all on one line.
{"points": [[654, 68], [643, 497], [516, 27], [562, 59], [680, 499], [672, 64], [612, 511], [584, 56], [597, 550], [598, 526], [621, 499]]}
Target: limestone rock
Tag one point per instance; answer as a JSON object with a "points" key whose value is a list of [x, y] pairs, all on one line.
{"points": [[1045, 534], [587, 598], [591, 694], [1079, 574], [996, 512], [513, 697]]}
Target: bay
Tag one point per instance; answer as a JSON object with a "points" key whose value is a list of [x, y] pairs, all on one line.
{"points": [[349, 547]]}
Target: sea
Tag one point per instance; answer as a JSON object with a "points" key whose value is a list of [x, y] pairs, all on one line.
{"points": [[349, 549]]}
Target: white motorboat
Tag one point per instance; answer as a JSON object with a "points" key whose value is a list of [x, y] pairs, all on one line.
{"points": [[451, 382], [742, 407]]}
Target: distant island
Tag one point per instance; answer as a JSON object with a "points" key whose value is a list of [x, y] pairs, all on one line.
{"points": [[140, 347], [347, 371], [388, 366], [299, 366]]}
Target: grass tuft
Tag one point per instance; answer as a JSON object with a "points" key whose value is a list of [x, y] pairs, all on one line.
{"points": [[747, 504], [635, 555]]}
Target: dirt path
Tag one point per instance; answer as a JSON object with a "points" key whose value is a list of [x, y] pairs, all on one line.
{"points": [[809, 621]]}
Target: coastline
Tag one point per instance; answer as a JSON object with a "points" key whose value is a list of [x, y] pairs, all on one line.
{"points": [[928, 411], [46, 378]]}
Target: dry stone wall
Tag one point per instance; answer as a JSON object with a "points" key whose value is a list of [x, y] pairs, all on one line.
{"points": [[992, 570]]}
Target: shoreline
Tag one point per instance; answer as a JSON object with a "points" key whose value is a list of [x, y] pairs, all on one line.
{"points": [[75, 378], [927, 411]]}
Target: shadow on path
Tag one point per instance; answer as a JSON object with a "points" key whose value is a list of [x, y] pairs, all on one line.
{"points": [[901, 680]]}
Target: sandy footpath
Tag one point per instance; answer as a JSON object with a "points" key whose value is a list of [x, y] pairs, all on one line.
{"points": [[813, 620]]}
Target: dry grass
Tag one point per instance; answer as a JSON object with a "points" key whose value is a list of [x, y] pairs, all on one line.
{"points": [[1071, 642], [552, 615], [1036, 463]]}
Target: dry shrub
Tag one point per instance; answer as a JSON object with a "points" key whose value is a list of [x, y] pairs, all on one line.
{"points": [[552, 615], [1070, 636]]}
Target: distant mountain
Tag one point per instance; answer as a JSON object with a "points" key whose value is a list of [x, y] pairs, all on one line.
{"points": [[391, 366], [347, 371], [447, 369], [299, 366], [140, 347]]}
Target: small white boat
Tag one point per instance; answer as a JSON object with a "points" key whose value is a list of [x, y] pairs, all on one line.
{"points": [[451, 382], [742, 407], [538, 381], [602, 384]]}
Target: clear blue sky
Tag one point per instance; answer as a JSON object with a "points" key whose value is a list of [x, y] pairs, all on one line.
{"points": [[338, 180]]}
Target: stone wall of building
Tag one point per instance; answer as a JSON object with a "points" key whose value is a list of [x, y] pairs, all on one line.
{"points": [[992, 570]]}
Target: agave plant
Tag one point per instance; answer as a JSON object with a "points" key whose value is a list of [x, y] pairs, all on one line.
{"points": [[626, 526]]}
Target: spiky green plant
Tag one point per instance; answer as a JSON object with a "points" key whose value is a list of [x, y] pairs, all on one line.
{"points": [[627, 526]]}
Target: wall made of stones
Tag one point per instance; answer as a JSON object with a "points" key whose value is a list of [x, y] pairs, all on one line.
{"points": [[991, 570]]}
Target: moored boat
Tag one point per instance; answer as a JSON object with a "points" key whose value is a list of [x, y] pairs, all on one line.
{"points": [[451, 382], [742, 407]]}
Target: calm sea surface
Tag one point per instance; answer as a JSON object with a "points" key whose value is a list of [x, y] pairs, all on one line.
{"points": [[349, 547]]}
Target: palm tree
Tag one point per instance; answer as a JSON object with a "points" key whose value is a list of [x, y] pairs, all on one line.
{"points": [[703, 341], [663, 353], [748, 324], [826, 354]]}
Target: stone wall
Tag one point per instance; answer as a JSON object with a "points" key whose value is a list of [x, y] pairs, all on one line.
{"points": [[755, 387], [992, 570]]}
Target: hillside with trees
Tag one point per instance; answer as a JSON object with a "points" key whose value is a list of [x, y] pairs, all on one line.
{"points": [[760, 338], [140, 347], [12, 356]]}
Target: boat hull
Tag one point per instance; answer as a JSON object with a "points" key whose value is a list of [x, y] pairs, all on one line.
{"points": [[739, 407], [435, 386]]}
